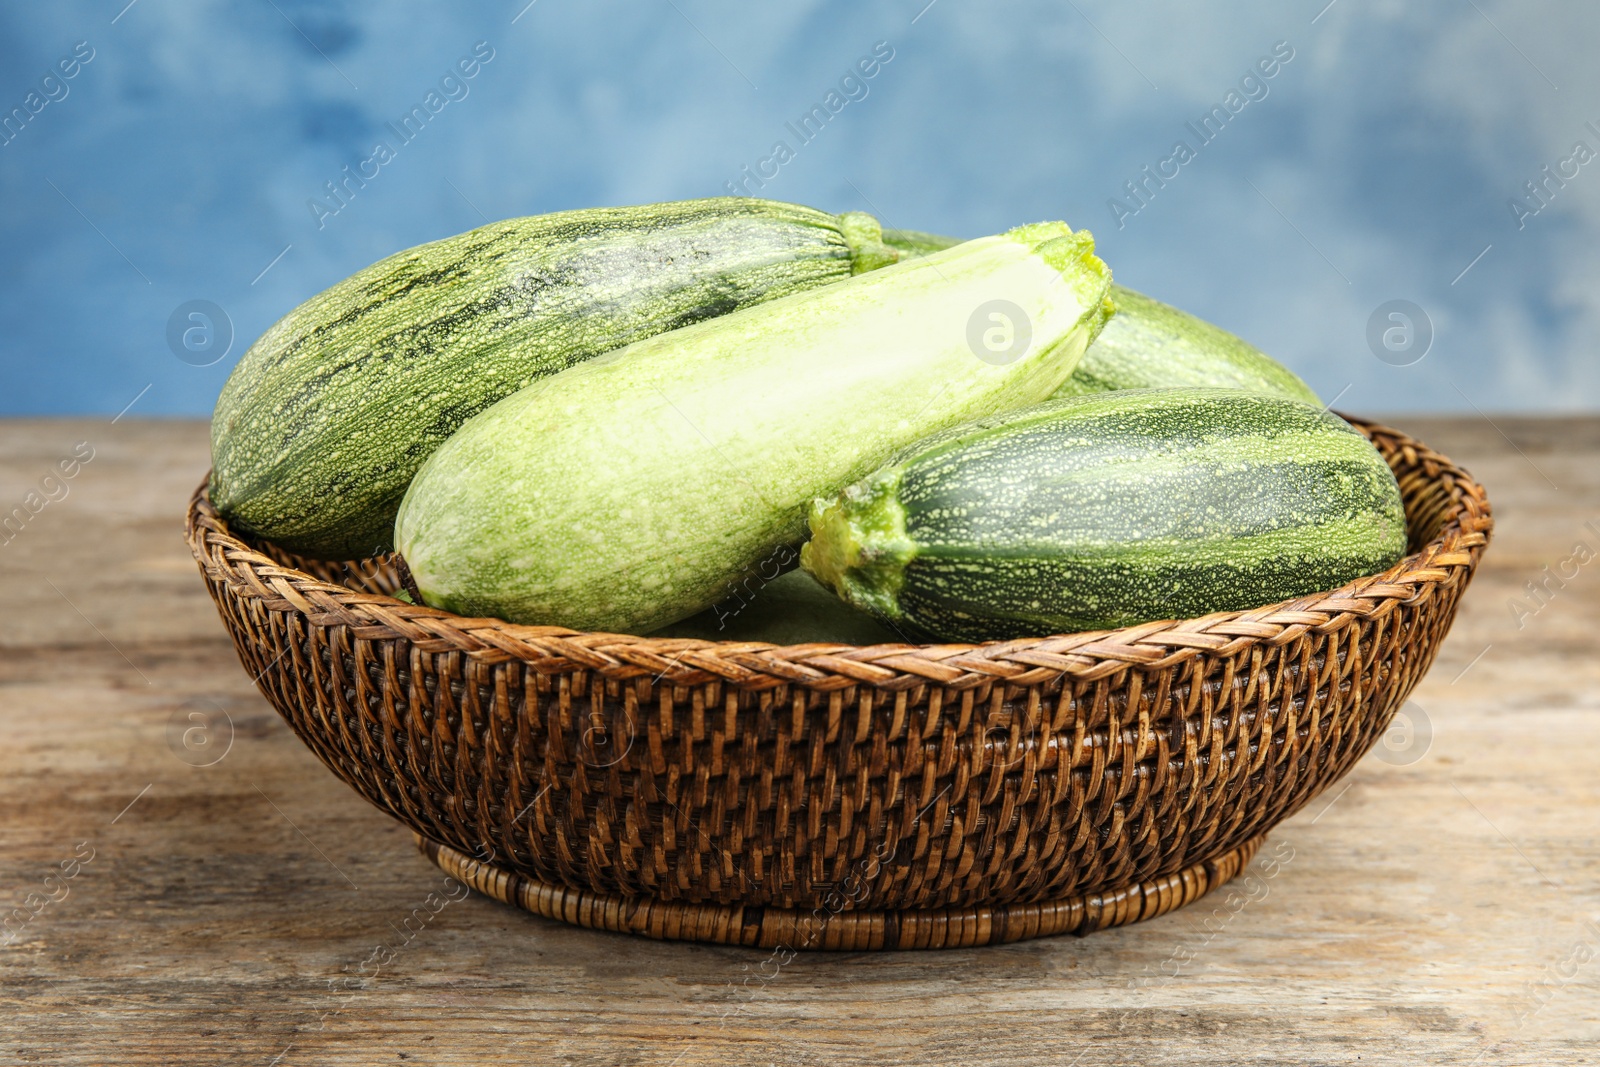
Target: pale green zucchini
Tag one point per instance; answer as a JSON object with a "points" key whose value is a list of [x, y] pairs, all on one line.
{"points": [[1108, 510], [1151, 345], [639, 488], [327, 417]]}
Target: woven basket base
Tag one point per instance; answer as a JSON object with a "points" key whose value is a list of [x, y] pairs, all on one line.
{"points": [[757, 927]]}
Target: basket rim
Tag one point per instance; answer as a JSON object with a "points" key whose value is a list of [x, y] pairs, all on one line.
{"points": [[1449, 557]]}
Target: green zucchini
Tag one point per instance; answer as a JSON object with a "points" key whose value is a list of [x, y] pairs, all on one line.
{"points": [[913, 244], [329, 415], [791, 609], [649, 484], [1109, 510], [1153, 345]]}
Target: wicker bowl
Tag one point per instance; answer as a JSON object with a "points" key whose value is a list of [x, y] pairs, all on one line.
{"points": [[835, 796]]}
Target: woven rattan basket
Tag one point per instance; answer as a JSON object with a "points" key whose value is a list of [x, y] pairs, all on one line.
{"points": [[834, 796]]}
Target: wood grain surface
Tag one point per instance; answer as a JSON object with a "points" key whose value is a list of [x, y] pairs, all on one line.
{"points": [[182, 882]]}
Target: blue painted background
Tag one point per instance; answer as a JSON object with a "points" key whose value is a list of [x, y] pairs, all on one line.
{"points": [[180, 162]]}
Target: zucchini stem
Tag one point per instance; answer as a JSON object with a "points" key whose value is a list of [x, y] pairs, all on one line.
{"points": [[864, 235], [859, 547]]}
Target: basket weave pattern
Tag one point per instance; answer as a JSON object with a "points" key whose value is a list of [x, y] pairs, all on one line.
{"points": [[735, 777]]}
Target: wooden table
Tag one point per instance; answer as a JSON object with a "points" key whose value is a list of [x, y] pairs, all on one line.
{"points": [[194, 899]]}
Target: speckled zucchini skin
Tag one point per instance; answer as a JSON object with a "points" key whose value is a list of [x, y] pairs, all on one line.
{"points": [[649, 484], [331, 412], [1109, 510], [1151, 345]]}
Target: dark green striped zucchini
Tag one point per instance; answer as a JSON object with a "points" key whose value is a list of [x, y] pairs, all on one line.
{"points": [[790, 609], [1108, 510], [912, 244], [1151, 345], [330, 414]]}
